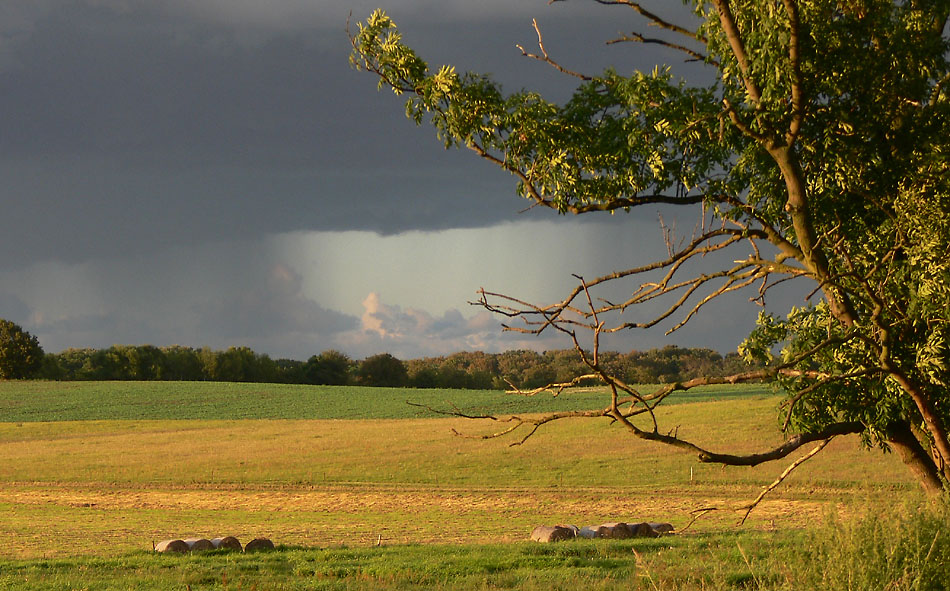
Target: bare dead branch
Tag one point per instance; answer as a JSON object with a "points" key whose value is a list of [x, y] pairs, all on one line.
{"points": [[455, 412], [697, 513], [735, 282], [555, 389], [783, 476], [654, 19], [598, 327], [773, 235], [790, 445], [544, 57], [638, 38], [693, 249]]}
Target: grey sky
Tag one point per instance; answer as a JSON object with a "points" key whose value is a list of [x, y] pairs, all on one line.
{"points": [[212, 172]]}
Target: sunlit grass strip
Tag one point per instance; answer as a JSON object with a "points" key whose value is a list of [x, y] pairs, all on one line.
{"points": [[904, 548], [671, 563]]}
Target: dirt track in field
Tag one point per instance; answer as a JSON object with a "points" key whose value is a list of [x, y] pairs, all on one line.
{"points": [[91, 518]]}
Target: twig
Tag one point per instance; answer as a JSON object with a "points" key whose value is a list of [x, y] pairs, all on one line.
{"points": [[783, 476], [637, 37], [544, 57], [697, 513]]}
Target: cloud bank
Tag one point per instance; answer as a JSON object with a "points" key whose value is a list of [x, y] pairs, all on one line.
{"points": [[212, 172]]}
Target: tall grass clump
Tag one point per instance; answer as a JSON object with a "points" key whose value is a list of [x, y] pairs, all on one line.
{"points": [[904, 549]]}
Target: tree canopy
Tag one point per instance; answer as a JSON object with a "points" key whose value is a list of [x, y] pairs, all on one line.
{"points": [[382, 370], [818, 154], [20, 353]]}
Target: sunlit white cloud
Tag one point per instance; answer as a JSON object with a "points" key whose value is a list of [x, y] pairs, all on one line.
{"points": [[388, 322], [412, 332]]}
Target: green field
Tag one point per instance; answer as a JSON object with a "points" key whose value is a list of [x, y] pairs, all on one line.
{"points": [[93, 473], [23, 401]]}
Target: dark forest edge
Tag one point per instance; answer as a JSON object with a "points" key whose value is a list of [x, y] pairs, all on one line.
{"points": [[22, 357], [464, 370]]}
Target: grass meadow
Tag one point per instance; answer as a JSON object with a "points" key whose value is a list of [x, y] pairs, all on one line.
{"points": [[362, 490], [24, 401]]}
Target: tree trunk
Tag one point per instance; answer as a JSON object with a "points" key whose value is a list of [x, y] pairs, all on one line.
{"points": [[915, 457]]}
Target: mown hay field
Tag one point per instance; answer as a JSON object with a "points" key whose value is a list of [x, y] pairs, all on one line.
{"points": [[108, 484]]}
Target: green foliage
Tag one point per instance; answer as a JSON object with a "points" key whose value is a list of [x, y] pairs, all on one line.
{"points": [[241, 364], [382, 370], [182, 364], [20, 353], [331, 368], [617, 137], [468, 369], [821, 141]]}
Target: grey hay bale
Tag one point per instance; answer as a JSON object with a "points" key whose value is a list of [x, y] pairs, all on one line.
{"points": [[259, 545], [199, 544], [588, 531], [555, 533], [227, 543], [177, 546]]}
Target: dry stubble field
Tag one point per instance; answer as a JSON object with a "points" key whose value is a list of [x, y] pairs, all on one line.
{"points": [[110, 487]]}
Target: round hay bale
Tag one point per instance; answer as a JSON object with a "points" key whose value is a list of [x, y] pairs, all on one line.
{"points": [[548, 533], [259, 545], [662, 528], [588, 531], [227, 543], [574, 529], [199, 544], [175, 546], [614, 530], [642, 530]]}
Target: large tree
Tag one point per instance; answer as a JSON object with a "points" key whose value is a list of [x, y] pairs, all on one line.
{"points": [[819, 154], [20, 353], [330, 367], [382, 370]]}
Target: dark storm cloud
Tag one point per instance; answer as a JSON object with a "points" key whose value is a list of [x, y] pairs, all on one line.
{"points": [[183, 171], [275, 307], [130, 126], [13, 308]]}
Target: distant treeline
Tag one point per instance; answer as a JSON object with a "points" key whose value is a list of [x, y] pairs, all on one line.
{"points": [[470, 370]]}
